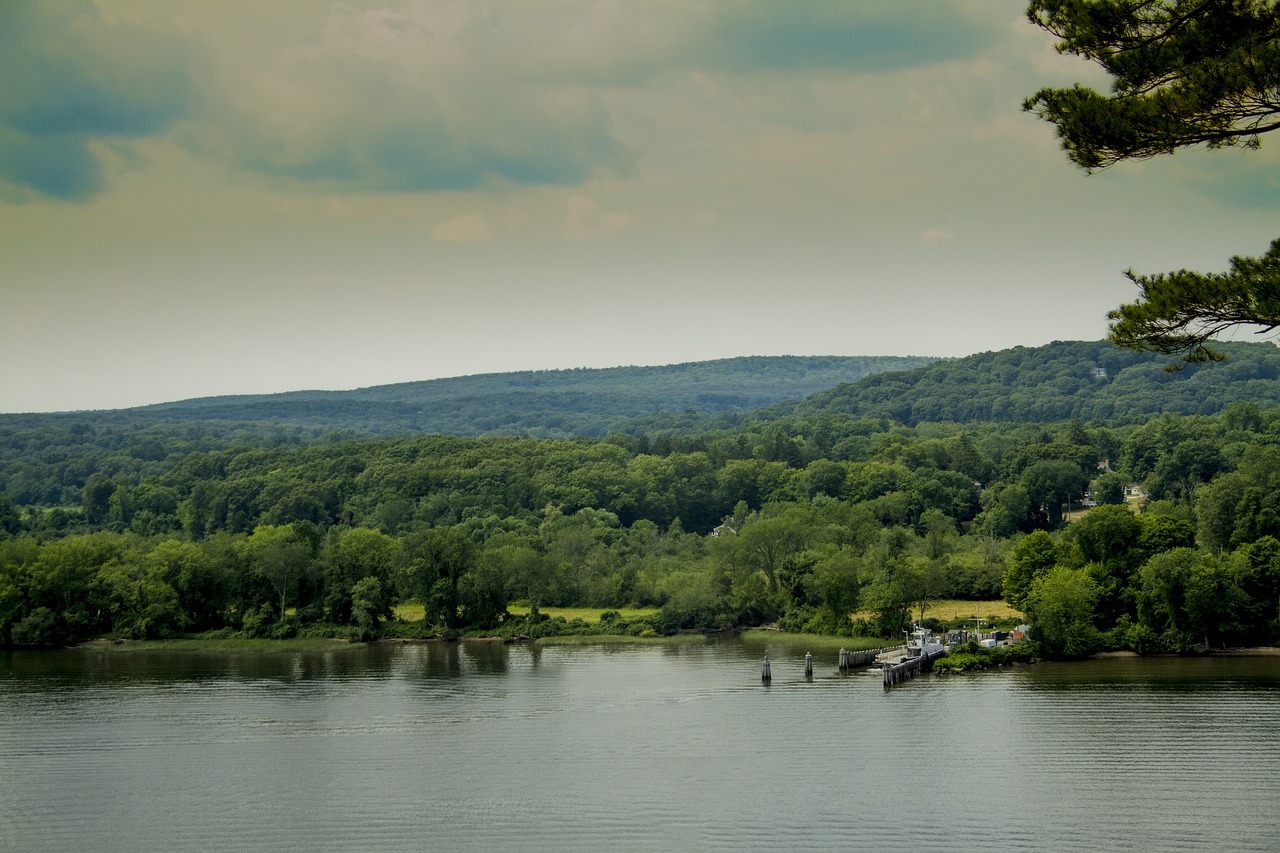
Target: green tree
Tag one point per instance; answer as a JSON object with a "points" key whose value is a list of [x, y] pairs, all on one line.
{"points": [[834, 587], [1111, 489], [890, 594], [140, 603], [529, 573], [1031, 558], [1051, 483], [824, 477], [1005, 508], [282, 556], [768, 541], [939, 534], [10, 524], [1260, 582], [351, 557], [435, 563], [1106, 534], [1160, 533], [1214, 603], [1163, 590], [200, 588], [1184, 73], [370, 604], [482, 594], [96, 498], [1060, 607]]}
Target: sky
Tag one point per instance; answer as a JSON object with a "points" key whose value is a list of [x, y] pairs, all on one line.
{"points": [[241, 197]]}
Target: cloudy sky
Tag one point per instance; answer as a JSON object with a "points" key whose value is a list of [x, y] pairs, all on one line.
{"points": [[205, 198]]}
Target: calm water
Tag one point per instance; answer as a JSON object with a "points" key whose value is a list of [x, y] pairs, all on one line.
{"points": [[490, 747]]}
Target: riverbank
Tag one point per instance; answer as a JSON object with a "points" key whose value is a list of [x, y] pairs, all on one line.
{"points": [[220, 645], [957, 661], [1231, 652]]}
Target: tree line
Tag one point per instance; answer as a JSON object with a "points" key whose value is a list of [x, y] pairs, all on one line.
{"points": [[797, 521]]}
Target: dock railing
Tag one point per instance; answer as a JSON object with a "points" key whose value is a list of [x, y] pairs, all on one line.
{"points": [[864, 657]]}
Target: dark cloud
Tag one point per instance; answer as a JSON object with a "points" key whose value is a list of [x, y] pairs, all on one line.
{"points": [[71, 78], [60, 167], [631, 44], [1235, 179], [846, 36]]}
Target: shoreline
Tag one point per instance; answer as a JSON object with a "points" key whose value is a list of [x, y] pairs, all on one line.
{"points": [[321, 644], [1229, 652]]}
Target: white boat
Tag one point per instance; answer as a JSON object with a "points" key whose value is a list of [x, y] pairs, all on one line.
{"points": [[922, 643]]}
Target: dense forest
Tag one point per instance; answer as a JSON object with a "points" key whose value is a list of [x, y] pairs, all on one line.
{"points": [[800, 518], [1086, 380]]}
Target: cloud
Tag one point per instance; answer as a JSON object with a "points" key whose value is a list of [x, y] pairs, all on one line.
{"points": [[706, 218], [874, 37], [464, 228], [413, 100], [414, 97], [70, 78], [1243, 180], [943, 233], [630, 43], [586, 218]]}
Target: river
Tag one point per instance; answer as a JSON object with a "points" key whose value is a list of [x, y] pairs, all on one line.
{"points": [[637, 747]]}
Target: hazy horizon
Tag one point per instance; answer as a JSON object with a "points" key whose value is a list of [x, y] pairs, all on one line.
{"points": [[287, 391]]}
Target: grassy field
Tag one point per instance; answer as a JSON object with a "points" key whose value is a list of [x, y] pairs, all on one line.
{"points": [[951, 610], [586, 614], [415, 612], [954, 610], [814, 642], [409, 612]]}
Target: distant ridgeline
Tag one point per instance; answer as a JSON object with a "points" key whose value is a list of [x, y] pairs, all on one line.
{"points": [[582, 403], [1064, 380]]}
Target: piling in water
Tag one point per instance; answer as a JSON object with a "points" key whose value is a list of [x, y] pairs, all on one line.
{"points": [[765, 675]]}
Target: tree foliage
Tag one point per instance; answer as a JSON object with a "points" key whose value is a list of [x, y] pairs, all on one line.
{"points": [[1183, 73], [1181, 312]]}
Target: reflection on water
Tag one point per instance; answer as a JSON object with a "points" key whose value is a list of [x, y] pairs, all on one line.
{"points": [[490, 747]]}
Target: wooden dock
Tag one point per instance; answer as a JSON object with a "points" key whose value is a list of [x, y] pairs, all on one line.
{"points": [[852, 660], [906, 668]]}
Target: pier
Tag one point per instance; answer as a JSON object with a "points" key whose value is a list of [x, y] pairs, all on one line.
{"points": [[851, 660], [909, 667]]}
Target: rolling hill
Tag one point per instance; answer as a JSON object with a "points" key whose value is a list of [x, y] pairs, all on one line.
{"points": [[1060, 381]]}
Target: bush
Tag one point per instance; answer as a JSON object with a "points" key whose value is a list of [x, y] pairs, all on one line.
{"points": [[37, 629], [285, 629], [795, 619], [1141, 639], [972, 656], [257, 623]]}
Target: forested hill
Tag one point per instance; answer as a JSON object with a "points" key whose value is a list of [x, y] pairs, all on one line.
{"points": [[1088, 380], [545, 404]]}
